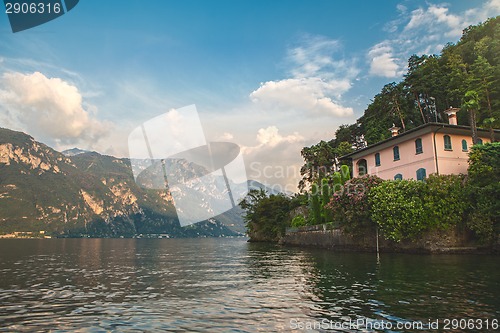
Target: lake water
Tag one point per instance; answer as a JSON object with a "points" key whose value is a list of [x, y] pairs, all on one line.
{"points": [[229, 285]]}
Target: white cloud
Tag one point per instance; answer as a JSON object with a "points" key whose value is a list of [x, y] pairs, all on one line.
{"points": [[318, 79], [271, 141], [270, 136], [310, 94], [493, 5], [313, 56], [456, 23], [274, 160], [51, 109], [383, 63], [226, 136], [436, 18], [418, 18], [402, 8]]}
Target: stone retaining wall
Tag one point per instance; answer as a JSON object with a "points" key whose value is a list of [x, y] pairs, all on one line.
{"points": [[453, 240]]}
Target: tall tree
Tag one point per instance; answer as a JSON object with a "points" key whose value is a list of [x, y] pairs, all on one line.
{"points": [[414, 80], [484, 82], [319, 162], [471, 104]]}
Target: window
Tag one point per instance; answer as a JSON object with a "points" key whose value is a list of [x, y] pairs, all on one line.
{"points": [[418, 146], [362, 167], [447, 142], [377, 159], [421, 174], [464, 145], [395, 150], [398, 177], [479, 141]]}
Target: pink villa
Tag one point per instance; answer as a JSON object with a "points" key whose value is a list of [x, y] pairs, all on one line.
{"points": [[415, 154]]}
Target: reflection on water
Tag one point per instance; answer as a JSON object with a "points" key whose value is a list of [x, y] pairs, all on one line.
{"points": [[228, 285]]}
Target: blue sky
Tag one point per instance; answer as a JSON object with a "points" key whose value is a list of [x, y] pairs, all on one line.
{"points": [[272, 76]]}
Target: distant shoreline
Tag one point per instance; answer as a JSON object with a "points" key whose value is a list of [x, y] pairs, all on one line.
{"points": [[152, 236]]}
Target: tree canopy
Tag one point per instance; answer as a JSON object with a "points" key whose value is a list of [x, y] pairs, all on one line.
{"points": [[465, 73]]}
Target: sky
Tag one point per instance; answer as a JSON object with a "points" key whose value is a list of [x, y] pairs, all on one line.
{"points": [[270, 76]]}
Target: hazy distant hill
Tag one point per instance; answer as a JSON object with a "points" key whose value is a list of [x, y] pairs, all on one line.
{"points": [[85, 194]]}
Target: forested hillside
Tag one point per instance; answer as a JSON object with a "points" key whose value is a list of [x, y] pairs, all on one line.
{"points": [[431, 85]]}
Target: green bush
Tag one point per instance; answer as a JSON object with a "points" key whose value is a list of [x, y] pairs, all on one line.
{"points": [[445, 200], [397, 207], [315, 205], [337, 182], [483, 190], [405, 208], [345, 173], [267, 216], [299, 221]]}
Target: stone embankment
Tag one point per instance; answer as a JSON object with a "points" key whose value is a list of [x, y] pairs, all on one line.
{"points": [[453, 240]]}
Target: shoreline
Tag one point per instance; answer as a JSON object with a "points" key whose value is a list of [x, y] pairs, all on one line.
{"points": [[450, 241]]}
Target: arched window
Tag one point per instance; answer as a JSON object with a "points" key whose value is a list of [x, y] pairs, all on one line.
{"points": [[418, 146], [464, 145], [395, 150], [479, 141], [398, 177], [421, 174], [362, 167], [377, 159], [447, 142]]}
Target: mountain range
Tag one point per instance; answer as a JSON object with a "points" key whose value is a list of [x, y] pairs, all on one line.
{"points": [[79, 193]]}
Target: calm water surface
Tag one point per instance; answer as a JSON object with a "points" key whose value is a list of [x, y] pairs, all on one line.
{"points": [[229, 285]]}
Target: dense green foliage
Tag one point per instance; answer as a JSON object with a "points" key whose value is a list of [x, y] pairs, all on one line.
{"points": [[445, 200], [321, 194], [401, 208], [484, 190], [315, 202], [431, 85], [299, 221], [465, 75], [405, 208], [397, 207], [268, 216]]}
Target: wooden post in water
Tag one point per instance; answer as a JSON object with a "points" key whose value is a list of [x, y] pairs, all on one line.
{"points": [[378, 252]]}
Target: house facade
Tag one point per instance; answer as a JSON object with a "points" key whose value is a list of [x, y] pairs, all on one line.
{"points": [[417, 153]]}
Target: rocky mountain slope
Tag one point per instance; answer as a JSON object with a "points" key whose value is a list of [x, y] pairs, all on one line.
{"points": [[85, 194]]}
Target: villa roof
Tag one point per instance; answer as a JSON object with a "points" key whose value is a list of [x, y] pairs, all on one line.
{"points": [[415, 132]]}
